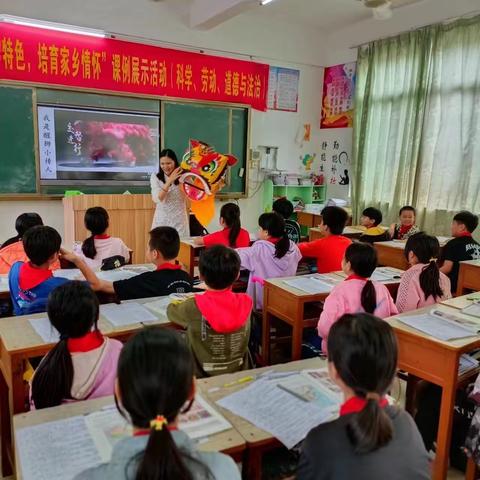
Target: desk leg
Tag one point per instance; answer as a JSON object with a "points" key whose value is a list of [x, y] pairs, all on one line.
{"points": [[471, 472], [297, 333], [266, 324], [5, 428], [252, 466], [440, 467]]}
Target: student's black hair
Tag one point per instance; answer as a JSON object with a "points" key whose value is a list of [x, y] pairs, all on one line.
{"points": [[363, 262], [335, 218], [167, 152], [219, 266], [155, 378], [363, 349], [468, 219], [427, 249], [374, 214], [283, 207], [230, 212], [96, 221], [166, 240], [72, 309], [407, 208], [40, 243], [22, 224], [274, 224]]}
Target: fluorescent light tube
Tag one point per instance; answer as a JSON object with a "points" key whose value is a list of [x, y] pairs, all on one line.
{"points": [[59, 27], [265, 2]]}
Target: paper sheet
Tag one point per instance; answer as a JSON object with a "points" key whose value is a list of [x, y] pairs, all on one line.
{"points": [[278, 412], [45, 329], [127, 314], [466, 363], [473, 309], [159, 306], [56, 450], [115, 275], [202, 420], [106, 428], [309, 285], [437, 327]]}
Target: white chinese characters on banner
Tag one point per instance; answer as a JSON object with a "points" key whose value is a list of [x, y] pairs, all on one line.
{"points": [[46, 143], [335, 162]]}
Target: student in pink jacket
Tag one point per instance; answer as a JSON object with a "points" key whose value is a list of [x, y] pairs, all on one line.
{"points": [[357, 293], [83, 364], [273, 255], [423, 284]]}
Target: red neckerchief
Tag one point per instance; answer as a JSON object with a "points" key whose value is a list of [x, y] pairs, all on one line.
{"points": [[148, 431], [103, 236], [357, 404], [31, 276], [465, 234], [88, 342], [356, 277], [404, 229], [273, 240], [169, 266]]}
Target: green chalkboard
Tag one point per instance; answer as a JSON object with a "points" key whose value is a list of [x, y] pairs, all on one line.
{"points": [[223, 127], [18, 173]]}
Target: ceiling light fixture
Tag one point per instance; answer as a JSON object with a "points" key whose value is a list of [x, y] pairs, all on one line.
{"points": [[59, 27], [265, 2]]}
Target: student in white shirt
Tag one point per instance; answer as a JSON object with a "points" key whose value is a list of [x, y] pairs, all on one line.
{"points": [[99, 245]]}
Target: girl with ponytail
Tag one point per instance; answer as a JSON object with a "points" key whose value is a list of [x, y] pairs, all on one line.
{"points": [[423, 284], [232, 235], [155, 383], [364, 443], [99, 245], [82, 364], [357, 293], [272, 256]]}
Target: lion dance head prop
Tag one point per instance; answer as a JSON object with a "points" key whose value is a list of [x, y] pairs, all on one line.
{"points": [[204, 172]]}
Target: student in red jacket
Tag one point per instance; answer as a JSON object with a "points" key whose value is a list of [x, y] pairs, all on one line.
{"points": [[232, 235], [329, 250]]}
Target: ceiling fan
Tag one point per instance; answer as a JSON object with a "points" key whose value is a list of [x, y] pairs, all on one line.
{"points": [[383, 9]]}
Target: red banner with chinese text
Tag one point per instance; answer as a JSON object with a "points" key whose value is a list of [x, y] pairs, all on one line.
{"points": [[41, 56]]}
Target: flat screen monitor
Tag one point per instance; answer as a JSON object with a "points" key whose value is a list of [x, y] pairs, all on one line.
{"points": [[95, 147]]}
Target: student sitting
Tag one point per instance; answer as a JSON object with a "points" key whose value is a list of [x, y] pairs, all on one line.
{"points": [[462, 247], [272, 256], [422, 284], [83, 363], [99, 245], [371, 219], [154, 384], [232, 235], [370, 440], [218, 321], [12, 250], [168, 277], [406, 228], [330, 249], [284, 208], [356, 293], [31, 282]]}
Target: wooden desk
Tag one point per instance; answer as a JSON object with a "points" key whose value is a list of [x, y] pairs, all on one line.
{"points": [[229, 441], [468, 277], [188, 253], [391, 253], [258, 440], [310, 220], [461, 302], [294, 307], [20, 342], [430, 359], [349, 232]]}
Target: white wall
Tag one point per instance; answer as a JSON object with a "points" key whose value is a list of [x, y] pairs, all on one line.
{"points": [[280, 44]]}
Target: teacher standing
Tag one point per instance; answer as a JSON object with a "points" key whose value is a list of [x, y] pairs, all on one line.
{"points": [[171, 203]]}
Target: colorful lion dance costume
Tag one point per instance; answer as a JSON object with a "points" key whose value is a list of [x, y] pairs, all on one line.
{"points": [[204, 172]]}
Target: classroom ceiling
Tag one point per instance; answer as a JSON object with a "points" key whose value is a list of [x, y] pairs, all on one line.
{"points": [[324, 14]]}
